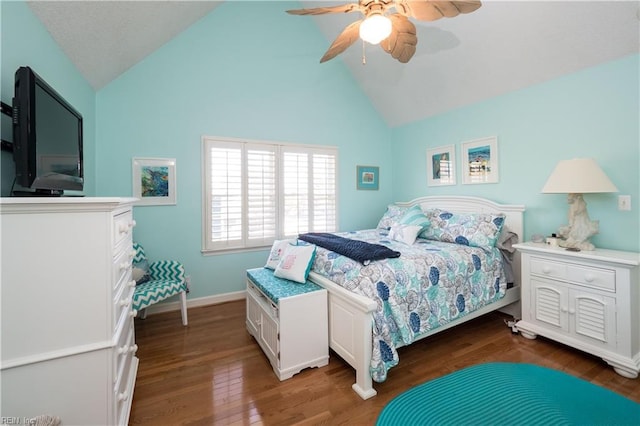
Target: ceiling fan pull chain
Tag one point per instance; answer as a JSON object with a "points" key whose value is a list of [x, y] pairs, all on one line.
{"points": [[364, 56]]}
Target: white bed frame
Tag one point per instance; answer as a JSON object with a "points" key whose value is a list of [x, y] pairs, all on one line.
{"points": [[350, 314]]}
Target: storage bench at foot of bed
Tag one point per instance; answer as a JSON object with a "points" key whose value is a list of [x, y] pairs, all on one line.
{"points": [[288, 320]]}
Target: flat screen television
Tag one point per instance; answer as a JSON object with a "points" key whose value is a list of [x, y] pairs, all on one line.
{"points": [[47, 138]]}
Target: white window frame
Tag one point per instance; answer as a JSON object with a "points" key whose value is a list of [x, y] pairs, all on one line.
{"points": [[244, 244]]}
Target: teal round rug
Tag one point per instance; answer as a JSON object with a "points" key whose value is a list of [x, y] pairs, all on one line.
{"points": [[509, 394]]}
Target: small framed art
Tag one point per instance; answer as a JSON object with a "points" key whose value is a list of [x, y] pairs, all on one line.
{"points": [[480, 161], [368, 177], [441, 166], [154, 181]]}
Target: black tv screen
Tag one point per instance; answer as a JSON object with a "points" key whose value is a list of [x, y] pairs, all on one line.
{"points": [[47, 137]]}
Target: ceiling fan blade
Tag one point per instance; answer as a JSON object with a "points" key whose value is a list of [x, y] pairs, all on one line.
{"points": [[432, 10], [344, 8], [348, 36], [401, 44]]}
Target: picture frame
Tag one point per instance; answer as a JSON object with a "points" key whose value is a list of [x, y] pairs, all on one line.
{"points": [[154, 181], [441, 169], [368, 177], [480, 161]]}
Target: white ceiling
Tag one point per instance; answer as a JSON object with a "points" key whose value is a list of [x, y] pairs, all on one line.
{"points": [[501, 47]]}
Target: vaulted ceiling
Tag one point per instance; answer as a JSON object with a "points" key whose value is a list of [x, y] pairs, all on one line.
{"points": [[501, 47]]}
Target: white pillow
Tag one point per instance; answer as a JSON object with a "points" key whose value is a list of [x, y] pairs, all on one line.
{"points": [[277, 250], [296, 263], [405, 233]]}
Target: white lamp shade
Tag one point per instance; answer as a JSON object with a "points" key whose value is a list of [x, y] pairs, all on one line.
{"points": [[578, 176], [375, 28]]}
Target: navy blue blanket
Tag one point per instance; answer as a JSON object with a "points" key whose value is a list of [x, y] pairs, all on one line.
{"points": [[361, 251]]}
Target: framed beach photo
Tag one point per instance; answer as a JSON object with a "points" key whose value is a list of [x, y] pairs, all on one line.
{"points": [[154, 181], [368, 177], [480, 161], [441, 166]]}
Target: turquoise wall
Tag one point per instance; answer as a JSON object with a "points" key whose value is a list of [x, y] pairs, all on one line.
{"points": [[257, 84], [25, 42], [265, 85], [592, 113]]}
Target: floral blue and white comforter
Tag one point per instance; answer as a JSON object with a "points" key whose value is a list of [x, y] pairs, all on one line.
{"points": [[429, 285]]}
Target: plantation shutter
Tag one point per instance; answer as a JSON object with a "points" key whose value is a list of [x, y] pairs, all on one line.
{"points": [[324, 193], [225, 182], [255, 193], [295, 166], [261, 195], [309, 195]]}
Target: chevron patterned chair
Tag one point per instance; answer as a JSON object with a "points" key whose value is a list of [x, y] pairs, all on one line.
{"points": [[165, 278]]}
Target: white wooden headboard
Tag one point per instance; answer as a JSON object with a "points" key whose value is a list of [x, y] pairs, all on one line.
{"points": [[514, 214]]}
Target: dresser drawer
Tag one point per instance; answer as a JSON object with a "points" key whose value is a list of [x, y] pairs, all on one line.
{"points": [[123, 298], [123, 352], [122, 268], [547, 268], [122, 227], [592, 277]]}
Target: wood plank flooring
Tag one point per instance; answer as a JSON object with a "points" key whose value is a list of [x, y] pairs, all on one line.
{"points": [[213, 371]]}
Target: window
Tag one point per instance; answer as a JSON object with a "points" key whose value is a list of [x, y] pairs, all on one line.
{"points": [[257, 192]]}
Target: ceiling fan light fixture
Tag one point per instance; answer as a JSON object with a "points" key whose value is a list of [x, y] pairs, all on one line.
{"points": [[375, 28]]}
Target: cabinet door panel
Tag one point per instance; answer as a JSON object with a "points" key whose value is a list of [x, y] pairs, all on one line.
{"points": [[253, 313], [549, 304], [594, 317], [269, 335]]}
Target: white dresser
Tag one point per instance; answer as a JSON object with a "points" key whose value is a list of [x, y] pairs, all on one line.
{"points": [[68, 344], [589, 300]]}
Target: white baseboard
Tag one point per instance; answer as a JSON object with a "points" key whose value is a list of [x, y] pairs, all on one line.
{"points": [[194, 303]]}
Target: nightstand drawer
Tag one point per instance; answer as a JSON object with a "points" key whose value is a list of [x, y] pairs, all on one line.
{"points": [[592, 277], [548, 268]]}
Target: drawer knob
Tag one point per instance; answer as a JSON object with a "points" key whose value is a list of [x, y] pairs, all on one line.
{"points": [[123, 350], [133, 313], [589, 278], [123, 396], [124, 265], [132, 283], [123, 228], [133, 349], [564, 309], [125, 302], [546, 270]]}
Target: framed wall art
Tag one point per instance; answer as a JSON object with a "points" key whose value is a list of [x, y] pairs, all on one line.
{"points": [[441, 166], [154, 181], [368, 177], [480, 161]]}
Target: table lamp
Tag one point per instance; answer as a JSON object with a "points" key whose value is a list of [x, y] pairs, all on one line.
{"points": [[576, 177]]}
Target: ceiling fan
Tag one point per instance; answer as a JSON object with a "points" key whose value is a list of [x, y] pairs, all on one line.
{"points": [[394, 31]]}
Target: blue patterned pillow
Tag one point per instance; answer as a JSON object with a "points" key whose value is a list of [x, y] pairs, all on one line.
{"points": [[391, 216], [470, 229], [415, 216]]}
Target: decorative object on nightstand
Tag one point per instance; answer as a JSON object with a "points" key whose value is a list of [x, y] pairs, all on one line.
{"points": [[576, 177], [589, 300]]}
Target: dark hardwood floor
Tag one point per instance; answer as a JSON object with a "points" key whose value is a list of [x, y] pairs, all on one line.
{"points": [[213, 371]]}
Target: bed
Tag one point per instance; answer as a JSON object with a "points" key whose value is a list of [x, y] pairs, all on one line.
{"points": [[354, 318]]}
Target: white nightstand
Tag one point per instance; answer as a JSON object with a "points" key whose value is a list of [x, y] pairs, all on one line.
{"points": [[589, 300]]}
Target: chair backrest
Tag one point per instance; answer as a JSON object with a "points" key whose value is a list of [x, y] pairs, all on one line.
{"points": [[140, 255]]}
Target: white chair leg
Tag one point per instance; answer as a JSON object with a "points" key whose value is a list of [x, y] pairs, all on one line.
{"points": [[183, 307], [142, 314]]}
